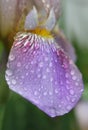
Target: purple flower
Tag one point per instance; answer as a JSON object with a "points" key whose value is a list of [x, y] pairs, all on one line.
{"points": [[40, 70]]}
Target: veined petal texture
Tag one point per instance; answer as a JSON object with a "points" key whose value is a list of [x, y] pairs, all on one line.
{"points": [[41, 72]]}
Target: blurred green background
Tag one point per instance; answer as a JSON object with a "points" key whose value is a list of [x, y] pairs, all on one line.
{"points": [[18, 114]]}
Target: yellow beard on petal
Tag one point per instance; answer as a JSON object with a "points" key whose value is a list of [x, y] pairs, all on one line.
{"points": [[42, 32]]}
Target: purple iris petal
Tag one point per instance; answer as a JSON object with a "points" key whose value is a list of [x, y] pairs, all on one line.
{"points": [[43, 74], [64, 43]]}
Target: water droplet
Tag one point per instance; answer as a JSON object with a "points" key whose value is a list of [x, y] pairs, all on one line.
{"points": [[35, 93], [46, 58], [25, 88], [72, 72], [67, 86], [45, 93], [74, 77], [27, 74], [71, 92], [50, 93], [66, 75], [32, 71], [81, 90], [26, 67], [22, 76], [39, 69], [68, 98], [32, 62], [39, 75], [67, 82], [50, 64], [56, 91], [11, 57], [56, 83], [18, 64], [56, 60], [13, 81], [47, 70], [44, 77], [68, 107], [9, 72], [65, 65], [61, 82], [52, 111], [51, 79], [73, 99], [59, 106], [76, 84], [41, 64]]}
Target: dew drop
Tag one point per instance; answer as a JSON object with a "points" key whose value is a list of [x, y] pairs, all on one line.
{"points": [[61, 82], [39, 76], [66, 75], [9, 72], [27, 74], [51, 79], [22, 76], [47, 70], [44, 77], [46, 58], [25, 88], [45, 93], [68, 98], [32, 62], [7, 78], [67, 82], [81, 90], [41, 64], [52, 111], [74, 77], [72, 72], [55, 82], [50, 64], [73, 99], [59, 106], [68, 107], [32, 71], [18, 64], [56, 91], [13, 81], [50, 93], [71, 92], [11, 57], [35, 93], [56, 60], [67, 86], [76, 84]]}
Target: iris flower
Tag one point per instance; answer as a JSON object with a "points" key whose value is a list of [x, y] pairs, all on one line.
{"points": [[41, 64]]}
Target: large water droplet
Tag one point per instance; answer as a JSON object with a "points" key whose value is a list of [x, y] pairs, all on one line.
{"points": [[18, 64], [9, 72], [11, 57], [35, 93], [71, 92], [13, 81], [68, 107]]}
